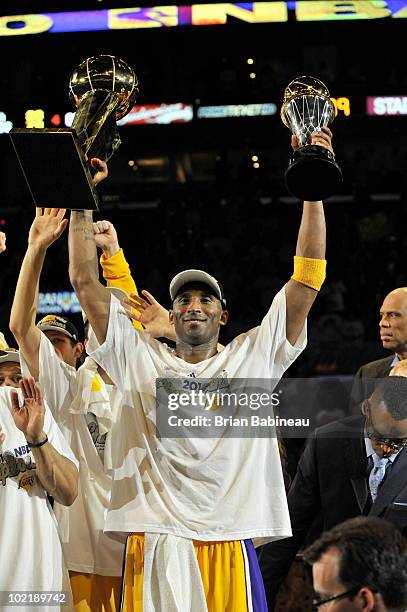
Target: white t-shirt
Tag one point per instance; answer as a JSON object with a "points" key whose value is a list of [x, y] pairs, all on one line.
{"points": [[207, 489], [74, 396], [31, 557]]}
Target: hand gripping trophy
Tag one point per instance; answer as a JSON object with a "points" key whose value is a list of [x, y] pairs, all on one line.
{"points": [[103, 89], [313, 173]]}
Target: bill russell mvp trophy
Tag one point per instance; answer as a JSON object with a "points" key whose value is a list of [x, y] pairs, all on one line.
{"points": [[55, 161], [313, 173]]}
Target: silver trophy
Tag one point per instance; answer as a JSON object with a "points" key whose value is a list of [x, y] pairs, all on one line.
{"points": [[55, 161], [313, 173]]}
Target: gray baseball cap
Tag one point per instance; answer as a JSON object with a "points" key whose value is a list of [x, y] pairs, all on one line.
{"points": [[196, 276], [9, 354]]}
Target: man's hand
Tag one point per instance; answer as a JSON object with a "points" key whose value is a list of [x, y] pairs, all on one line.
{"points": [[322, 138], [48, 225], [101, 168], [106, 238], [153, 317], [2, 242], [30, 417]]}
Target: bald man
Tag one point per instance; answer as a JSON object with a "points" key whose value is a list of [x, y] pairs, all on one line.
{"points": [[393, 335]]}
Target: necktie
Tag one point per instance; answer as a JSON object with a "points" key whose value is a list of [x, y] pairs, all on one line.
{"points": [[377, 474]]}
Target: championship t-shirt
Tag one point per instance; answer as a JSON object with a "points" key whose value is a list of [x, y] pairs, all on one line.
{"points": [[31, 556], [85, 410], [206, 489]]}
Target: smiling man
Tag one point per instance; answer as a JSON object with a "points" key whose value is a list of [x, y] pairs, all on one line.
{"points": [[192, 506], [198, 312]]}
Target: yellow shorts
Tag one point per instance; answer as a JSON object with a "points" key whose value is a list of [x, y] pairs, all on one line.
{"points": [[95, 593], [222, 569]]}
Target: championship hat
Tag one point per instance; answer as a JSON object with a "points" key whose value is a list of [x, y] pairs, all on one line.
{"points": [[61, 324]]}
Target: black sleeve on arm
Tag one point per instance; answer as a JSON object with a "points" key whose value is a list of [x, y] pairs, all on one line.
{"points": [[304, 505]]}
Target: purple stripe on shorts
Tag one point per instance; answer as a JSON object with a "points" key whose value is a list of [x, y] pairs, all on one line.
{"points": [[256, 580]]}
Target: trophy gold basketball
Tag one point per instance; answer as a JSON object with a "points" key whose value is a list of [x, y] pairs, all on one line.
{"points": [[55, 161]]}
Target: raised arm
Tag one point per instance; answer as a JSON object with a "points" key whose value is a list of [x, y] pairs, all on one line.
{"points": [[47, 227], [92, 296], [150, 315], [116, 270], [57, 474], [309, 268]]}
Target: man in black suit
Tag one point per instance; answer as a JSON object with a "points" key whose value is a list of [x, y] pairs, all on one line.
{"points": [[338, 476], [393, 334]]}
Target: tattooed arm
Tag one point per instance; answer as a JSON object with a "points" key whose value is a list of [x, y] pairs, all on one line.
{"points": [[83, 266]]}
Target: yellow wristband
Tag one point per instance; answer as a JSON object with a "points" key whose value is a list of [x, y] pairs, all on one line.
{"points": [[309, 272], [114, 266]]}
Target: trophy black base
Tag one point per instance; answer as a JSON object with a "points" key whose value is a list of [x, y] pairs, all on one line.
{"points": [[313, 174], [55, 168]]}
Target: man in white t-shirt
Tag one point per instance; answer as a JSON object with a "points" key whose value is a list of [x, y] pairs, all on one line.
{"points": [[84, 403], [34, 460], [196, 504]]}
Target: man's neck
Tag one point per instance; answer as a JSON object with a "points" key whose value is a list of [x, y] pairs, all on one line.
{"points": [[196, 353]]}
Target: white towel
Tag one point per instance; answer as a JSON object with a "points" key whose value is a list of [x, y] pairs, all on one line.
{"points": [[92, 395], [172, 580]]}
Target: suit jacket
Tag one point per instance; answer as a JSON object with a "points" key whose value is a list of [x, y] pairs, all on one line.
{"points": [[375, 369], [365, 380], [331, 482]]}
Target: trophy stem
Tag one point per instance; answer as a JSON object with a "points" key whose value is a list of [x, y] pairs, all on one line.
{"points": [[313, 174], [95, 125]]}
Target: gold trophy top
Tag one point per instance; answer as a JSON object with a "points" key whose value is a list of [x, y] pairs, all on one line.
{"points": [[303, 86], [105, 73]]}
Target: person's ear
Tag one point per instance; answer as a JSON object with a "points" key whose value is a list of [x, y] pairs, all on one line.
{"points": [[171, 316], [79, 348], [224, 317], [365, 600]]}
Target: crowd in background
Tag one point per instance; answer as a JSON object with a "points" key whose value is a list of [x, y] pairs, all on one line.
{"points": [[366, 243]]}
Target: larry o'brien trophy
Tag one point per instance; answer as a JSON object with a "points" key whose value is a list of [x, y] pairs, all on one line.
{"points": [[313, 173], [55, 161]]}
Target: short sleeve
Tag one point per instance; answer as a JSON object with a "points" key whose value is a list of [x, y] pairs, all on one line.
{"points": [[56, 438], [272, 340], [57, 379], [121, 342]]}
